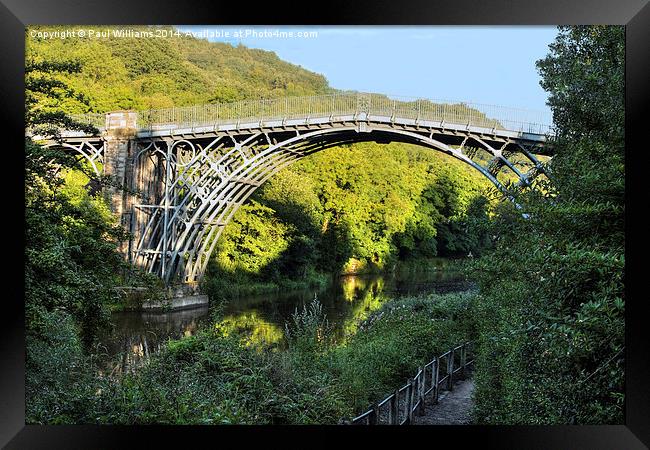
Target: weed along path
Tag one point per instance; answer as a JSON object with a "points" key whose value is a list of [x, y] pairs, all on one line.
{"points": [[454, 407]]}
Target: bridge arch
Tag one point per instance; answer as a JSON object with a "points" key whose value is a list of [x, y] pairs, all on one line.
{"points": [[93, 153], [209, 188]]}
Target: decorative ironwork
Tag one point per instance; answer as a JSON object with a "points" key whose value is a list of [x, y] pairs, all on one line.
{"points": [[91, 152]]}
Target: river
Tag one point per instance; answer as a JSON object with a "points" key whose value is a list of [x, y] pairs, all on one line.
{"points": [[349, 299]]}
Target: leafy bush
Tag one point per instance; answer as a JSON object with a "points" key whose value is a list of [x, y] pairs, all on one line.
{"points": [[60, 387], [211, 378], [551, 309]]}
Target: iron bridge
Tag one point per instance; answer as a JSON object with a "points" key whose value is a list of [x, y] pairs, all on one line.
{"points": [[181, 173]]}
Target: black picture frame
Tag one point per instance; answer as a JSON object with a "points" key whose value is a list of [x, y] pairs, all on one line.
{"points": [[16, 14]]}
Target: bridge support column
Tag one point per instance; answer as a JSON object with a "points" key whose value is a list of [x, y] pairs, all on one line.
{"points": [[128, 183], [119, 145]]}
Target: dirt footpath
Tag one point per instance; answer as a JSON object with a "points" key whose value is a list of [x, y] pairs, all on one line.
{"points": [[453, 408]]}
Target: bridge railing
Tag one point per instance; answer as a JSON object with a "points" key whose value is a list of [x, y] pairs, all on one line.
{"points": [[98, 120], [336, 105], [399, 407]]}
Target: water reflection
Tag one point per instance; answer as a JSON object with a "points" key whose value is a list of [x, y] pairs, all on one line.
{"points": [[260, 319], [254, 329], [134, 336]]}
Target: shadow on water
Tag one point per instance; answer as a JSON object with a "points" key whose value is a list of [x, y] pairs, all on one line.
{"points": [[260, 319]]}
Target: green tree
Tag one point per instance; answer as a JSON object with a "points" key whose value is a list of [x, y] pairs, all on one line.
{"points": [[70, 256], [552, 292]]}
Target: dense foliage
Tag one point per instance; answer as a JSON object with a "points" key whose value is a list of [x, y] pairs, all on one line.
{"points": [[551, 309], [70, 256], [354, 208], [143, 73]]}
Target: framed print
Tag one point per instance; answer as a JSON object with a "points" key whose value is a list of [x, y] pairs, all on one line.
{"points": [[358, 218]]}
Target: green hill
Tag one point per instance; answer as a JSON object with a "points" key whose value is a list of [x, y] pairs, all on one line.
{"points": [[143, 73]]}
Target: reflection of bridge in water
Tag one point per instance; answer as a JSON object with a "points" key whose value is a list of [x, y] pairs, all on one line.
{"points": [[135, 336], [187, 170]]}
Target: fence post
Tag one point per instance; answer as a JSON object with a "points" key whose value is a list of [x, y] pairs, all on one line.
{"points": [[373, 419], [421, 389], [463, 359], [395, 408], [450, 370], [409, 402], [434, 376]]}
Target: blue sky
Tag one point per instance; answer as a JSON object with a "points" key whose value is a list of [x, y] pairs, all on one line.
{"points": [[493, 65]]}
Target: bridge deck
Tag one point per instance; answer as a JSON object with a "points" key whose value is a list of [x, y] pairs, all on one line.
{"points": [[329, 110]]}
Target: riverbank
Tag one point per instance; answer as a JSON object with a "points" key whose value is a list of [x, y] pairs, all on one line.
{"points": [[226, 286], [217, 376], [217, 289]]}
